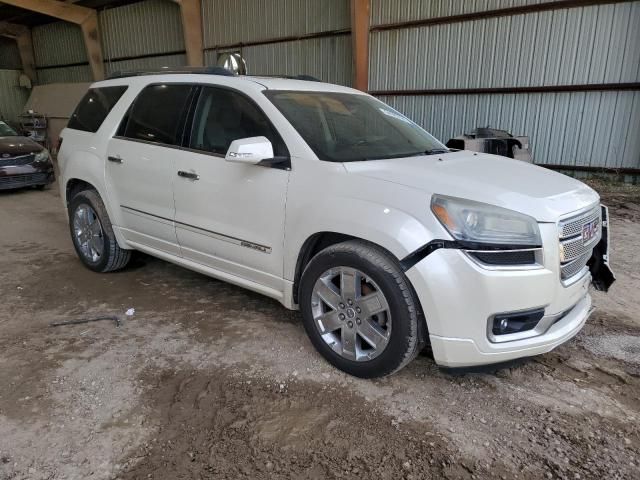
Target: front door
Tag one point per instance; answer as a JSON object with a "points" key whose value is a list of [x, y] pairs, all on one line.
{"points": [[230, 216], [141, 167]]}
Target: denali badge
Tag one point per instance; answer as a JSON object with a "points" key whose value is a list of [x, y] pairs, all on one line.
{"points": [[589, 231]]}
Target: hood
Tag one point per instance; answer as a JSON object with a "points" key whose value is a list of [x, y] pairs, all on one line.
{"points": [[14, 146], [538, 192]]}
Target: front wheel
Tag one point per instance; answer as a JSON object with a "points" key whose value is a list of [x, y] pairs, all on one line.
{"points": [[92, 234], [359, 309]]}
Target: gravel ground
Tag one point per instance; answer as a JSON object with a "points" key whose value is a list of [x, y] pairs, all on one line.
{"points": [[207, 380]]}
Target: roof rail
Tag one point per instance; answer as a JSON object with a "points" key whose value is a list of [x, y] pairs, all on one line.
{"points": [[183, 70], [293, 77]]}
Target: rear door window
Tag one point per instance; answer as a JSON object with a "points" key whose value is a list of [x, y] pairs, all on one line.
{"points": [[94, 108], [158, 114]]}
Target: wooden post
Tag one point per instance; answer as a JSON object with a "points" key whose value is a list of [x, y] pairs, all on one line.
{"points": [[191, 12], [22, 36], [87, 18], [92, 45], [360, 40]]}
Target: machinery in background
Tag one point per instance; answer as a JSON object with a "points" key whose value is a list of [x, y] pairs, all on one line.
{"points": [[492, 140]]}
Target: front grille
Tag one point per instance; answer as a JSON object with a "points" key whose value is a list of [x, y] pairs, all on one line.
{"points": [[18, 180], [17, 161], [574, 252], [573, 226]]}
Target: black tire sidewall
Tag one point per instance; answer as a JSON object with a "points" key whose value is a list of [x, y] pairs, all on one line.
{"points": [[401, 315], [86, 198]]}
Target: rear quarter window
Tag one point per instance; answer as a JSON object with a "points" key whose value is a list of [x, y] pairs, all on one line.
{"points": [[94, 108]]}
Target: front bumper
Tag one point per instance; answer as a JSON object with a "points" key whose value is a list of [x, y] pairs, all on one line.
{"points": [[26, 176], [458, 298]]}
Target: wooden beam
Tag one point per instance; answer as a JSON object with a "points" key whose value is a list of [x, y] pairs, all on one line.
{"points": [[87, 18], [360, 40], [191, 12], [54, 8], [22, 35]]}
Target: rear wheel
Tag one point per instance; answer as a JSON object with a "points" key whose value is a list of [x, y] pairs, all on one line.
{"points": [[358, 309], [92, 234]]}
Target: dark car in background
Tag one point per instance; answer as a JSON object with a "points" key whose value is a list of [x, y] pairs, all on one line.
{"points": [[23, 162]]}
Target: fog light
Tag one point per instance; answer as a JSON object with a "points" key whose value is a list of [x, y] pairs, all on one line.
{"points": [[516, 322]]}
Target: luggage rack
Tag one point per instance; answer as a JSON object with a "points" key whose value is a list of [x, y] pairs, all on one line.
{"points": [[201, 71], [182, 70]]}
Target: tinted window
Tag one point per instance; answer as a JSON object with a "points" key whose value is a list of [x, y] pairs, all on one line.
{"points": [[94, 108], [157, 114], [345, 127], [6, 130], [223, 116]]}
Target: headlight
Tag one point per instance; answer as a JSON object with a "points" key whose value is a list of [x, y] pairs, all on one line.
{"points": [[42, 156], [471, 221]]}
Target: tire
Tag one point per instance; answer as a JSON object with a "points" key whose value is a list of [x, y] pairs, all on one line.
{"points": [[396, 332], [107, 256]]}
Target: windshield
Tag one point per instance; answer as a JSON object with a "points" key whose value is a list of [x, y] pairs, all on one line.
{"points": [[6, 130], [346, 127]]}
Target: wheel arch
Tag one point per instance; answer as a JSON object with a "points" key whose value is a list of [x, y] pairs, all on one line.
{"points": [[74, 185], [318, 241]]}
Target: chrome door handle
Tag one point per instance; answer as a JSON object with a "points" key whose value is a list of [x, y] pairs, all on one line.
{"points": [[189, 175], [114, 159]]}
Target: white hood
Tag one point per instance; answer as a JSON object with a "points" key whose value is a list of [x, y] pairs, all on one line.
{"points": [[538, 192]]}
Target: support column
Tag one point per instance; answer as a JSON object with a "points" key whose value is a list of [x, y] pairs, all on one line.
{"points": [[87, 18], [92, 45], [22, 36], [191, 11], [360, 40]]}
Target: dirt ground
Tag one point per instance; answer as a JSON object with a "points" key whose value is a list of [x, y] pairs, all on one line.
{"points": [[207, 380]]}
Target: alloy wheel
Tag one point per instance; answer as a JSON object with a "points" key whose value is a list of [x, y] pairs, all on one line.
{"points": [[351, 313], [88, 232]]}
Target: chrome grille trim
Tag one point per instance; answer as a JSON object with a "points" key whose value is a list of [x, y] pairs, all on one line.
{"points": [[574, 254], [572, 226]]}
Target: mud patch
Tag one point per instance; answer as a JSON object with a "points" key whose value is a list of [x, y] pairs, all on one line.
{"points": [[219, 425]]}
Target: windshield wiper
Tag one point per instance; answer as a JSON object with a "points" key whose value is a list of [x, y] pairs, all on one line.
{"points": [[436, 151]]}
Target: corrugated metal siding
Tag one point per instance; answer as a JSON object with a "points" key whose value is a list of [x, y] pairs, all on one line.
{"points": [[58, 43], [597, 44], [394, 11], [9, 54], [81, 73], [328, 59], [143, 28], [146, 63], [13, 98], [232, 21], [598, 129]]}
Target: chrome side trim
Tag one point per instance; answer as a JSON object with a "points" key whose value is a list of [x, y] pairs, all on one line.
{"points": [[202, 231]]}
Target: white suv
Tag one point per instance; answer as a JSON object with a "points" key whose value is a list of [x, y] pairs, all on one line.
{"points": [[330, 201]]}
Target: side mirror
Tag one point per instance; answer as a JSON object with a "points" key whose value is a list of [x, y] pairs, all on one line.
{"points": [[251, 150]]}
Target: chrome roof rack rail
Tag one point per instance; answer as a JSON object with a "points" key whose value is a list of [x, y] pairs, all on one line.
{"points": [[165, 70]]}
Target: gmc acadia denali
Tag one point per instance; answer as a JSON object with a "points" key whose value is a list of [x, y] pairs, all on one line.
{"points": [[330, 201]]}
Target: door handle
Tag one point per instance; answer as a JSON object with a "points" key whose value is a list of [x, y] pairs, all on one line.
{"points": [[189, 175], [114, 159]]}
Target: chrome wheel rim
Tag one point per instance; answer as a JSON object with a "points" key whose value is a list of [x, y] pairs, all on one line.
{"points": [[88, 233], [351, 314]]}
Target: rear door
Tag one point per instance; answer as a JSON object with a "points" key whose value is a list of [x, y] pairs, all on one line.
{"points": [[230, 216], [141, 166]]}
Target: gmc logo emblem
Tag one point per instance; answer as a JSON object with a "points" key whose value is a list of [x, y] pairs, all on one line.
{"points": [[589, 231]]}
